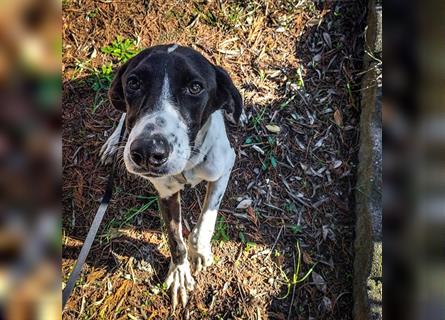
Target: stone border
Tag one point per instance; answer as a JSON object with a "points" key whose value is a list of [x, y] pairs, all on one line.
{"points": [[367, 284]]}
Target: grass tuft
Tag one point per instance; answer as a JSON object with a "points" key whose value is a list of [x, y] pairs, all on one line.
{"points": [[221, 230], [296, 275], [111, 229], [122, 49]]}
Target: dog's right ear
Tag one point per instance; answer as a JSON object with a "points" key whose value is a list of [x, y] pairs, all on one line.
{"points": [[227, 95], [116, 91]]}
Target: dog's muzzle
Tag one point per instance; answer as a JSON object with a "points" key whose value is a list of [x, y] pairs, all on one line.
{"points": [[151, 152]]}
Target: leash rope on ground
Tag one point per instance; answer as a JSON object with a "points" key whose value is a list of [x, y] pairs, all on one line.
{"points": [[66, 293]]}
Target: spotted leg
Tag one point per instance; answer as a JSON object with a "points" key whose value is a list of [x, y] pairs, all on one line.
{"points": [[200, 249], [179, 278]]}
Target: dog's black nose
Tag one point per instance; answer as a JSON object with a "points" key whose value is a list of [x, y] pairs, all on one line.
{"points": [[153, 151]]}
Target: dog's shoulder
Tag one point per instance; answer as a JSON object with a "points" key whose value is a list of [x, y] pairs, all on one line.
{"points": [[215, 155]]}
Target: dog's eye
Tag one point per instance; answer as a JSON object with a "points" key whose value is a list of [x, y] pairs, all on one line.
{"points": [[195, 88], [133, 83]]}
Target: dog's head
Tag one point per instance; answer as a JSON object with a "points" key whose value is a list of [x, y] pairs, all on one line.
{"points": [[169, 92]]}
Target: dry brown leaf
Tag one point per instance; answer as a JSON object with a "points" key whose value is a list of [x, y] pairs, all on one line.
{"points": [[279, 260], [307, 258], [95, 275], [116, 298], [338, 118], [252, 215]]}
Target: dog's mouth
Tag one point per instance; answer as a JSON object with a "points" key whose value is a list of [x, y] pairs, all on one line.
{"points": [[145, 172], [151, 173]]}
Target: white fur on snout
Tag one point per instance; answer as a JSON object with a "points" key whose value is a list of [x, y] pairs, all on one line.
{"points": [[167, 122]]}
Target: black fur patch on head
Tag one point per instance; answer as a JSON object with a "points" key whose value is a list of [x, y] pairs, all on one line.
{"points": [[186, 70]]}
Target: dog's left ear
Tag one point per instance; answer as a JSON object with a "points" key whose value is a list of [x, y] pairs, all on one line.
{"points": [[227, 95]]}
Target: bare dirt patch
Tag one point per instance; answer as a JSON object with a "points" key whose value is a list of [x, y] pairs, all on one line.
{"points": [[297, 64]]}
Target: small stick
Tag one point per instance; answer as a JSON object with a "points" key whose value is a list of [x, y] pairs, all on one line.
{"points": [[198, 199], [293, 292], [275, 243]]}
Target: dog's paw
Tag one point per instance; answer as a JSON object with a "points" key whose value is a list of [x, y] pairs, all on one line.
{"points": [[109, 148], [179, 280], [201, 257]]}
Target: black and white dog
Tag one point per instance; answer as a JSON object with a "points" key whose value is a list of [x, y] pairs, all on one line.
{"points": [[173, 101]]}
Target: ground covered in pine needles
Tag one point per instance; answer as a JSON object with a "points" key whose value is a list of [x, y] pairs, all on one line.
{"points": [[283, 244]]}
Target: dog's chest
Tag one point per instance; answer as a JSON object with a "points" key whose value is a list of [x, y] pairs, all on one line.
{"points": [[185, 178], [168, 186], [191, 178], [209, 163], [205, 171]]}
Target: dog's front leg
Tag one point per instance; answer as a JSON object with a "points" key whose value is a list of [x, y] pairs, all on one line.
{"points": [[200, 248], [111, 145], [179, 277]]}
